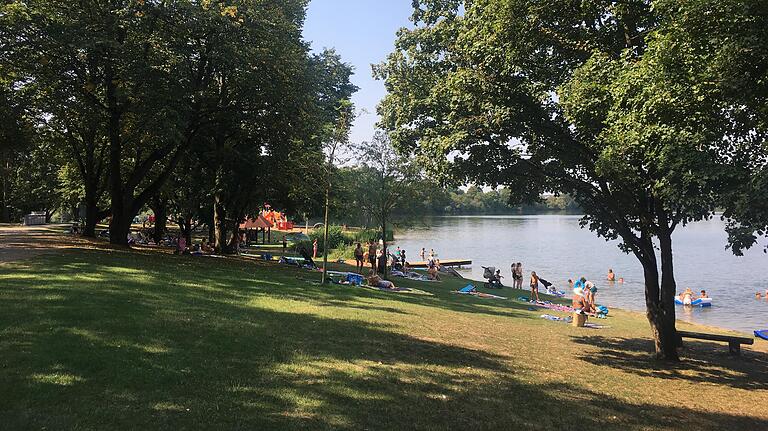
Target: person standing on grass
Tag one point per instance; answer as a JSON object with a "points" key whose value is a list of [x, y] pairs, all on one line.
{"points": [[519, 275], [381, 260], [285, 245], [534, 286], [372, 255], [402, 258], [314, 249], [359, 254]]}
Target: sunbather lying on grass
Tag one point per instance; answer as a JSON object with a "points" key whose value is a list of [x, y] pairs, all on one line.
{"points": [[376, 281]]}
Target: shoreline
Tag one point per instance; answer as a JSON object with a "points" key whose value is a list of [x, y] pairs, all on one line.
{"points": [[63, 241], [638, 313]]}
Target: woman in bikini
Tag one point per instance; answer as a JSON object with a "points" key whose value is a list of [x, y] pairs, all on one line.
{"points": [[359, 258], [376, 281], [519, 276]]}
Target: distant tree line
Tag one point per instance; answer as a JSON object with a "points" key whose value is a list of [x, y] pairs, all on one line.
{"points": [[425, 197]]}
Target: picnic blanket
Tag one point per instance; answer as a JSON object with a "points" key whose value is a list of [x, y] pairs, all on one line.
{"points": [[397, 290], [411, 276], [471, 290], [345, 278], [601, 314], [569, 319]]}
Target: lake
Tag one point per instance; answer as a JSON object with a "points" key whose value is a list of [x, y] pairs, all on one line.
{"points": [[558, 249]]}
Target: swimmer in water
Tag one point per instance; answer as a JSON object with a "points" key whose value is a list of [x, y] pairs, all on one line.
{"points": [[687, 296], [621, 280], [704, 294], [611, 275]]}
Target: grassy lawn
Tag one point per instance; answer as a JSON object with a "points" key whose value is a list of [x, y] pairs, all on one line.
{"points": [[99, 339]]}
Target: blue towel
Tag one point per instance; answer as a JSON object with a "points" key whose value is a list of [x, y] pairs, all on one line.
{"points": [[468, 288]]}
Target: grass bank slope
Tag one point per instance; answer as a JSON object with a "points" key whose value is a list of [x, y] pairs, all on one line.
{"points": [[109, 339]]}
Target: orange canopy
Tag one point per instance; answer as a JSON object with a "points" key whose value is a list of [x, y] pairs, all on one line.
{"points": [[256, 223]]}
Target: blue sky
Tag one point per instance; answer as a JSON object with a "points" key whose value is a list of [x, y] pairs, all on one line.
{"points": [[363, 32]]}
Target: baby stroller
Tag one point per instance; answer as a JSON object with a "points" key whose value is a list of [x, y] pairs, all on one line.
{"points": [[493, 282]]}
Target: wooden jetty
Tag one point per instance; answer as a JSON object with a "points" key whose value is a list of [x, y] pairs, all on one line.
{"points": [[418, 265], [447, 262]]}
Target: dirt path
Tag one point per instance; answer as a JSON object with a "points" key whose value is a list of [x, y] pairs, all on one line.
{"points": [[23, 242]]}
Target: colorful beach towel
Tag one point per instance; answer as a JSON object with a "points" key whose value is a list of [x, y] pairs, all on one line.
{"points": [[471, 290], [563, 308], [397, 290]]}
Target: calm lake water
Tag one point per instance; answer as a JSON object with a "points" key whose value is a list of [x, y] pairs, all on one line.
{"points": [[557, 249]]}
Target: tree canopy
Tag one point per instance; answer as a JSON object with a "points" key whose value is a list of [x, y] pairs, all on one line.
{"points": [[643, 111], [187, 106]]}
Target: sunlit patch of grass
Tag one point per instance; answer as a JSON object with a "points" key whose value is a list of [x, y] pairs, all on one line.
{"points": [[169, 407], [56, 378]]}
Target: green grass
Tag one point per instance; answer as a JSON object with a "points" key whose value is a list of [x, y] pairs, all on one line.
{"points": [[140, 340]]}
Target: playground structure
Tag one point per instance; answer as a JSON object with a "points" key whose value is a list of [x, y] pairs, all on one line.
{"points": [[277, 218]]}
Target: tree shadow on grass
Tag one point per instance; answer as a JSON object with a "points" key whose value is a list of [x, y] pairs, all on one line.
{"points": [[702, 362], [87, 357], [117, 353]]}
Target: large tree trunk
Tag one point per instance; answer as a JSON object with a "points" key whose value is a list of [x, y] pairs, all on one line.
{"points": [[667, 341], [92, 212], [5, 214], [159, 208], [120, 226], [234, 243], [323, 277], [659, 300], [219, 225]]}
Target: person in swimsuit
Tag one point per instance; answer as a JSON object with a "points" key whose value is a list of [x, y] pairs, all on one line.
{"points": [[704, 294], [589, 295], [534, 286], [376, 281], [372, 255], [359, 258], [519, 276], [580, 283], [611, 275], [381, 261], [497, 279], [432, 270], [686, 297], [579, 303]]}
